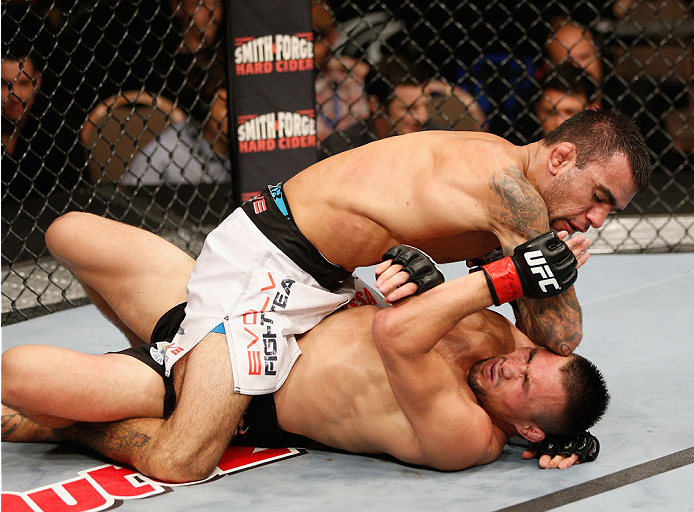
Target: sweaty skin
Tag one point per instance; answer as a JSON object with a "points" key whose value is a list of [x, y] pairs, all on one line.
{"points": [[344, 394], [454, 195], [431, 190], [354, 407], [341, 396]]}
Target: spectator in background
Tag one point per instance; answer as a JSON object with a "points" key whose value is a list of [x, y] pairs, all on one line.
{"points": [[566, 91], [567, 43], [41, 154], [455, 108], [199, 23], [398, 102], [341, 100], [571, 42], [199, 42], [193, 151], [326, 33]]}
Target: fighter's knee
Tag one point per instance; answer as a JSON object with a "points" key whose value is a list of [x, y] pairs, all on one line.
{"points": [[192, 471], [179, 467], [61, 229], [14, 366]]}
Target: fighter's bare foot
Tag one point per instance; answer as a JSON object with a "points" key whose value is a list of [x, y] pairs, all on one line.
{"points": [[17, 428]]}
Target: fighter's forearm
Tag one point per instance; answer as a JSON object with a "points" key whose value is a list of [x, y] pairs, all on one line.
{"points": [[554, 323], [416, 324]]}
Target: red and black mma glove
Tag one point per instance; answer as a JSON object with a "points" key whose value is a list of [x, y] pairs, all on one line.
{"points": [[424, 271], [539, 268]]}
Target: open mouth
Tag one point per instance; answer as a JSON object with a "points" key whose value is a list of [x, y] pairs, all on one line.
{"points": [[577, 228]]}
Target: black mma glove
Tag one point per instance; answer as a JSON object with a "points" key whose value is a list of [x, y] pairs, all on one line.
{"points": [[477, 263], [541, 267], [585, 444], [424, 272]]}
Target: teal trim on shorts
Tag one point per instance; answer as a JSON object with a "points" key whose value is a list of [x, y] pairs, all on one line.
{"points": [[219, 329], [278, 197]]}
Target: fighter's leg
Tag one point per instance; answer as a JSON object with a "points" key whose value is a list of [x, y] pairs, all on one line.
{"points": [[188, 445], [17, 428], [55, 386], [132, 275]]}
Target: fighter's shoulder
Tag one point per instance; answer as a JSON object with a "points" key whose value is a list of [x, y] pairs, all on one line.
{"points": [[489, 152], [475, 441]]}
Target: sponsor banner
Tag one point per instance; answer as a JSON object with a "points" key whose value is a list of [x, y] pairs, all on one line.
{"points": [[106, 487], [273, 98]]}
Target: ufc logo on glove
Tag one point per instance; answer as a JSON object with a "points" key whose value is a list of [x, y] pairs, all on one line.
{"points": [[538, 265], [515, 276]]}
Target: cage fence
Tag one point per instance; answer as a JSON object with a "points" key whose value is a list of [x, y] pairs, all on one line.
{"points": [[118, 107]]}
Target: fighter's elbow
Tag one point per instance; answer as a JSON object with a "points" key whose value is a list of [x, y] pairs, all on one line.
{"points": [[381, 326], [386, 329], [565, 343]]}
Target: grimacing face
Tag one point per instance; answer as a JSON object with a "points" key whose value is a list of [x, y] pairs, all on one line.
{"points": [[519, 386]]}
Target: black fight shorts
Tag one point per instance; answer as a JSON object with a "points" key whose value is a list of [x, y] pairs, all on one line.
{"points": [[153, 353]]}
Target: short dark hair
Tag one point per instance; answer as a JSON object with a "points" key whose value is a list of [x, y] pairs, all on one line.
{"points": [[586, 397], [21, 49], [396, 70], [568, 78], [598, 135], [25, 31]]}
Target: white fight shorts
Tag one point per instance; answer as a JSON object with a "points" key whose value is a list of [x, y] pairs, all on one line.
{"points": [[263, 298]]}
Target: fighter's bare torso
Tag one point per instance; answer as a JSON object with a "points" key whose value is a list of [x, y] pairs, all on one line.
{"points": [[429, 189], [339, 394]]}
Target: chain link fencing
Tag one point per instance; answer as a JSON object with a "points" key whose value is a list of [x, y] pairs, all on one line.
{"points": [[118, 107]]}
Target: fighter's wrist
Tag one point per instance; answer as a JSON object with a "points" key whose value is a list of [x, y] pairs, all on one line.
{"points": [[503, 280]]}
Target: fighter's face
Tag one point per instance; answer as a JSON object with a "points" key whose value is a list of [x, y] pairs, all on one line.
{"points": [[578, 199], [521, 386]]}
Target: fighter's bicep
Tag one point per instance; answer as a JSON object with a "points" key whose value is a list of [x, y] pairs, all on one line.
{"points": [[451, 430], [517, 211], [427, 392]]}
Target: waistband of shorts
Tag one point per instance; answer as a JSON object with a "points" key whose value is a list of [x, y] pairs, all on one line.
{"points": [[167, 326], [272, 216], [261, 428], [143, 353]]}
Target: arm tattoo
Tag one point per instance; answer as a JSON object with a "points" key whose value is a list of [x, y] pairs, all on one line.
{"points": [[553, 322], [10, 423]]}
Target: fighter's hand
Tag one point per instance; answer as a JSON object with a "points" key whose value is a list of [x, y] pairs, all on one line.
{"points": [[563, 451], [539, 268], [578, 245], [548, 462], [406, 271], [391, 281]]}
